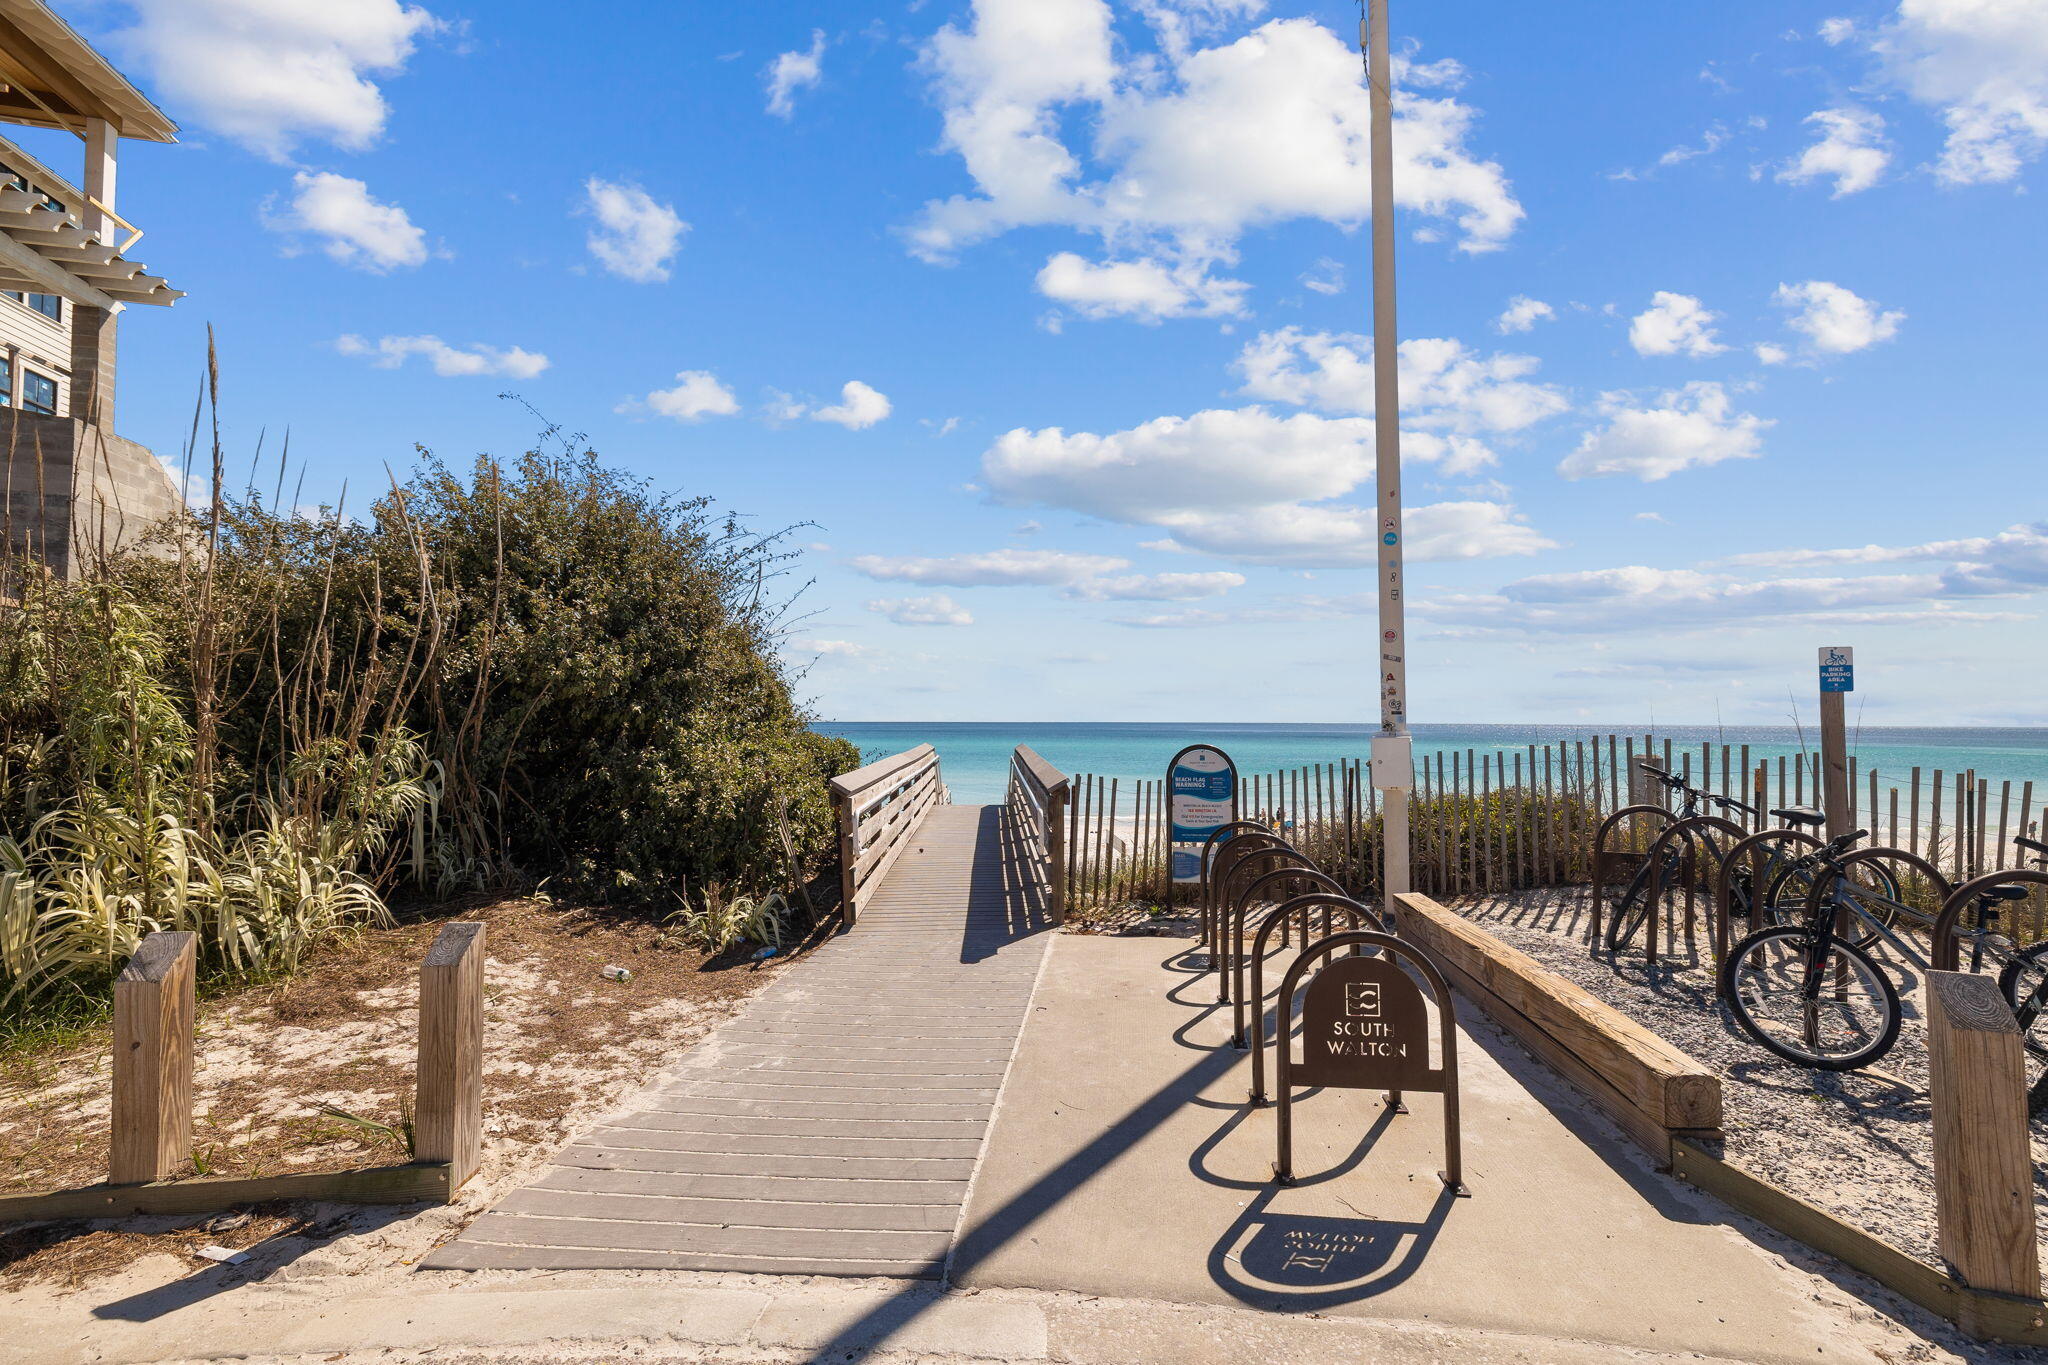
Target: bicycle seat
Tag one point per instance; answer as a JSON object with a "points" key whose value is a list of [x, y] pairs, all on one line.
{"points": [[2008, 893], [1798, 816]]}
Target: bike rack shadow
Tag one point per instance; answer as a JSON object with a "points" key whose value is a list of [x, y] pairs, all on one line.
{"points": [[1298, 1263]]}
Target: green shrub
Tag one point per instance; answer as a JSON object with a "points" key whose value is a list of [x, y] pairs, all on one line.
{"points": [[546, 671]]}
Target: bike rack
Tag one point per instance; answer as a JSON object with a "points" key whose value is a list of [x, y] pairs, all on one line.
{"points": [[1233, 924], [1280, 914], [1724, 910], [1221, 834], [1946, 953], [1605, 857], [1226, 852], [1228, 891], [1690, 871]]}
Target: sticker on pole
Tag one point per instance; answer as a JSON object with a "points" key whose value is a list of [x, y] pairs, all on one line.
{"points": [[1837, 668]]}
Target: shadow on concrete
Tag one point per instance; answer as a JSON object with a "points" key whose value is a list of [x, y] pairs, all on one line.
{"points": [[1198, 1160], [1296, 1263], [265, 1259]]}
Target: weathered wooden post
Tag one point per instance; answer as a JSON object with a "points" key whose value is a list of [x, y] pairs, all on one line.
{"points": [[448, 1116], [1056, 849], [1983, 1165], [153, 1017], [1837, 680], [849, 857]]}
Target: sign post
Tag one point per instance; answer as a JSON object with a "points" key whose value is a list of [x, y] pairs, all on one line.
{"points": [[1393, 757], [1201, 796], [1837, 680]]}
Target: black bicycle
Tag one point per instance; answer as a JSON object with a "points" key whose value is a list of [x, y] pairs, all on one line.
{"points": [[1632, 909], [1811, 991]]}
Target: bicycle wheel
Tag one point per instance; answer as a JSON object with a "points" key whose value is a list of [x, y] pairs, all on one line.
{"points": [[1835, 1011], [2023, 980], [1874, 888], [1631, 909]]}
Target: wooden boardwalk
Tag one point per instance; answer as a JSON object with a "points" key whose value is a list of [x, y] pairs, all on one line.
{"points": [[833, 1126]]}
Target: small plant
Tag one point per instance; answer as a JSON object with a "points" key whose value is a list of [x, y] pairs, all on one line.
{"points": [[400, 1135], [719, 922]]}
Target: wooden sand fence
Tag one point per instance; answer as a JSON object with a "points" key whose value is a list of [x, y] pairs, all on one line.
{"points": [[1504, 819]]}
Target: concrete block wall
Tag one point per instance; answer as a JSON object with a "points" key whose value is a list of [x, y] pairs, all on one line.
{"points": [[98, 493]]}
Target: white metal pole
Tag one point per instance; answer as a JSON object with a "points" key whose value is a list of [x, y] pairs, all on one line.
{"points": [[1393, 759]]}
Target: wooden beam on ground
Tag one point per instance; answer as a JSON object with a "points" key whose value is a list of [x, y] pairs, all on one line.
{"points": [[153, 1018], [417, 1183], [1983, 1162], [1580, 1033], [448, 1117]]}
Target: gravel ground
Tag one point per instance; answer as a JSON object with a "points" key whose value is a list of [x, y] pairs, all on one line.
{"points": [[1858, 1144]]}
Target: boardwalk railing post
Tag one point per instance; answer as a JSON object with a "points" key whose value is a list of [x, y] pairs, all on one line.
{"points": [[448, 1116], [849, 855], [153, 1017], [1983, 1168], [1056, 851]]}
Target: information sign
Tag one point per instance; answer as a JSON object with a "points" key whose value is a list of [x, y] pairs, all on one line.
{"points": [[1837, 668], [1201, 786]]}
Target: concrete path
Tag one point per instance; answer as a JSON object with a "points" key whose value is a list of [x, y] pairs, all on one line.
{"points": [[1125, 1164], [830, 1128]]}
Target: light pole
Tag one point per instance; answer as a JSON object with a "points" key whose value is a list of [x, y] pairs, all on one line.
{"points": [[1393, 751]]}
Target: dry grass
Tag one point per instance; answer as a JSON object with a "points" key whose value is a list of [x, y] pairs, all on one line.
{"points": [[342, 1032]]}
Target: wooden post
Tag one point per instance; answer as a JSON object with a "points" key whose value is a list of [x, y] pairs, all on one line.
{"points": [[1835, 683], [849, 858], [1983, 1165], [1056, 850], [448, 1114], [153, 1017]]}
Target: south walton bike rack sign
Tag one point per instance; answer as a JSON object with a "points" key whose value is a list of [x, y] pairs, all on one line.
{"points": [[1364, 1026], [1201, 785]]}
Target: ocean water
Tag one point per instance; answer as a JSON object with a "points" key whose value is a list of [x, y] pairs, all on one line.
{"points": [[975, 756]]}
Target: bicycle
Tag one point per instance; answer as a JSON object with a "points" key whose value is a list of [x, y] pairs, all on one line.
{"points": [[1632, 909], [1811, 991]]}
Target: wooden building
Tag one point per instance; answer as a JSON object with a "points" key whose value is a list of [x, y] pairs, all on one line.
{"points": [[73, 488]]}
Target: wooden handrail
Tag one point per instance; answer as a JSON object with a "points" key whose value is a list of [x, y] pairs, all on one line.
{"points": [[880, 807], [1036, 802]]}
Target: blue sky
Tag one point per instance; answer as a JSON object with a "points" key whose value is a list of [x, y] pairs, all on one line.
{"points": [[1721, 326]]}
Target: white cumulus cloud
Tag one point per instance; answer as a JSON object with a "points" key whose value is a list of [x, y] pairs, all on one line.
{"points": [[1450, 395], [1983, 65], [1522, 314], [1679, 429], [860, 406], [1144, 289], [353, 228], [936, 610], [794, 71], [697, 394], [1851, 151], [636, 237], [1172, 157], [270, 73], [388, 353], [1834, 320], [1674, 324]]}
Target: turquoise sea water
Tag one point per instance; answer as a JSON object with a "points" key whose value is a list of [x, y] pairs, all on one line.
{"points": [[975, 756]]}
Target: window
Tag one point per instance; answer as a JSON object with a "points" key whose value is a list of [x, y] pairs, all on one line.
{"points": [[6, 381], [38, 393], [49, 305]]}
